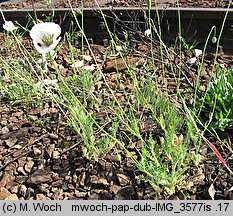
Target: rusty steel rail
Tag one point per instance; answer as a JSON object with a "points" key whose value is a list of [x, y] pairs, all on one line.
{"points": [[196, 22]]}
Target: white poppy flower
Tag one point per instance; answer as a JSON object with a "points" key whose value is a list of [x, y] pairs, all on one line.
{"points": [[222, 65], [192, 60], [197, 52], [9, 26], [89, 67], [78, 64], [147, 32], [119, 48], [87, 57], [45, 37], [46, 82]]}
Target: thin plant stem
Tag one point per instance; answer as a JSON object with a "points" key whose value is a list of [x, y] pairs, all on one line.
{"points": [[213, 29], [34, 10], [82, 25], [220, 34], [180, 45], [161, 45], [2, 15]]}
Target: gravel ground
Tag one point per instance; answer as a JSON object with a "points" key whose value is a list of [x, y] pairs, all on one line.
{"points": [[41, 157]]}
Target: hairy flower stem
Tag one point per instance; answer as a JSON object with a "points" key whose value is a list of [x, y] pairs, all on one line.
{"points": [[4, 19], [34, 10]]}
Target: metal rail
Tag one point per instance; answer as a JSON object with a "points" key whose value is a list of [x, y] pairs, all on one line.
{"points": [[196, 22], [170, 12]]}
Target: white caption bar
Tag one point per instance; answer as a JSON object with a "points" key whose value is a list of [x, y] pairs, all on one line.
{"points": [[126, 207]]}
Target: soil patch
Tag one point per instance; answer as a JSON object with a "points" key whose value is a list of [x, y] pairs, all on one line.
{"points": [[24, 4]]}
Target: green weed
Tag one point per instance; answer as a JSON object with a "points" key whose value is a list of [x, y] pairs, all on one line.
{"points": [[218, 98]]}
